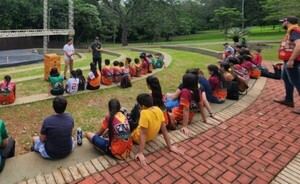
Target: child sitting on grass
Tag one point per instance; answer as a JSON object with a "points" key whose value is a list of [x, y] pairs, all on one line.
{"points": [[137, 68], [82, 81], [7, 91], [107, 73], [94, 78], [117, 72], [72, 83]]}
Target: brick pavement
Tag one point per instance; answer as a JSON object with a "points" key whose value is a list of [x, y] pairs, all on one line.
{"points": [[251, 147]]}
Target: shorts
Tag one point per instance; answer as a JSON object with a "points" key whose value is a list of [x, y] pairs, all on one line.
{"points": [[39, 146], [101, 143]]}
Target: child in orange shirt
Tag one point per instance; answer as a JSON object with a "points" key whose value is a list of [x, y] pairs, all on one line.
{"points": [[117, 72], [137, 68], [107, 73]]}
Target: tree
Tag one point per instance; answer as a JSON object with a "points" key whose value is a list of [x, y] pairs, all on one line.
{"points": [[227, 17]]}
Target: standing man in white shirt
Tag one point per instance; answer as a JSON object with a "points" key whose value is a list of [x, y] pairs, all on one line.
{"points": [[69, 51]]}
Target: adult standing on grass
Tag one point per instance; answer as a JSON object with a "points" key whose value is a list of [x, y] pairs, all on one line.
{"points": [[69, 51], [289, 52], [96, 49]]}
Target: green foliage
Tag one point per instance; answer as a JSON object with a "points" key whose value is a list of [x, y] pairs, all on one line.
{"points": [[237, 33], [227, 17]]}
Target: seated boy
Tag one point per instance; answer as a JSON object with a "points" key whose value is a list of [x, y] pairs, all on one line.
{"points": [[151, 121], [137, 68], [117, 72], [107, 73], [7, 145], [55, 140]]}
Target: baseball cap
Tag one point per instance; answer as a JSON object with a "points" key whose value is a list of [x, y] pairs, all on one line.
{"points": [[290, 19], [97, 38]]}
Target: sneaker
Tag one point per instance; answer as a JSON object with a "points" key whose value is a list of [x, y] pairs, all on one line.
{"points": [[283, 102]]}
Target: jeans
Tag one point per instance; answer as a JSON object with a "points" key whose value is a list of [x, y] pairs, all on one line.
{"points": [[291, 78]]}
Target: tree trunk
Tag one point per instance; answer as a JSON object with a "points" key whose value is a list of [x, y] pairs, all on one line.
{"points": [[124, 35]]}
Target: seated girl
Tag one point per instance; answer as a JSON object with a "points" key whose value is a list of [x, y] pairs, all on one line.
{"points": [[157, 96], [145, 63], [230, 83], [8, 91], [129, 66], [82, 82], [188, 104], [113, 137], [124, 70], [56, 86], [216, 82], [72, 83], [94, 78], [107, 73]]}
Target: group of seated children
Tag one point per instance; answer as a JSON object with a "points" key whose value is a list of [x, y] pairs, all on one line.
{"points": [[7, 91], [237, 67], [121, 72], [76, 82]]}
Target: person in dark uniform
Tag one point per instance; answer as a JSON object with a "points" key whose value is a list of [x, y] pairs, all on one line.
{"points": [[96, 49]]}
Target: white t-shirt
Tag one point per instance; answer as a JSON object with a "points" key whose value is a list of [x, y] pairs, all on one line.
{"points": [[69, 49], [72, 85], [91, 75]]}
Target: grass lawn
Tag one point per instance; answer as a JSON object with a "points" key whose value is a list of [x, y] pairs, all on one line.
{"points": [[89, 109]]}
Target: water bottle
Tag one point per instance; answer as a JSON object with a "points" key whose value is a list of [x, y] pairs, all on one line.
{"points": [[79, 136]]}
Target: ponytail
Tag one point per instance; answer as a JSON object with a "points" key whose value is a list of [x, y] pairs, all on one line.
{"points": [[114, 107], [155, 87], [7, 78], [94, 69]]}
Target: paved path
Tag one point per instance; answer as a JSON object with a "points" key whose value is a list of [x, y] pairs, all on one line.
{"points": [[251, 147]]}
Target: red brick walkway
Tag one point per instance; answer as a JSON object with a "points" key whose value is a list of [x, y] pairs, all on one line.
{"points": [[252, 147]]}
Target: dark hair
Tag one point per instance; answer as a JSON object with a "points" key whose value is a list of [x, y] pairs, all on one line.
{"points": [[7, 78], [136, 60], [114, 106], [74, 74], [247, 58], [78, 72], [258, 50], [190, 82], [107, 62], [201, 73], [54, 72], [240, 59], [225, 65], [121, 64], [193, 71], [232, 60], [149, 56], [244, 52], [128, 59], [94, 69], [69, 39], [116, 63], [145, 99], [143, 55], [155, 87], [216, 72], [59, 104]]}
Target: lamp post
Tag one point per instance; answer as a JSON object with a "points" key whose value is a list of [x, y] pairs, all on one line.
{"points": [[49, 13]]}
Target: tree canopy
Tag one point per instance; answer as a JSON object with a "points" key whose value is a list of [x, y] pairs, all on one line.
{"points": [[140, 20]]}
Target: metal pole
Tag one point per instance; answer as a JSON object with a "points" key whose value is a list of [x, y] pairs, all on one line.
{"points": [[243, 14], [49, 15], [45, 27]]}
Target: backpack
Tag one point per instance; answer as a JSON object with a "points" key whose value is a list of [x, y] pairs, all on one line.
{"points": [[125, 82], [121, 146], [243, 73], [233, 91], [242, 84], [138, 71]]}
